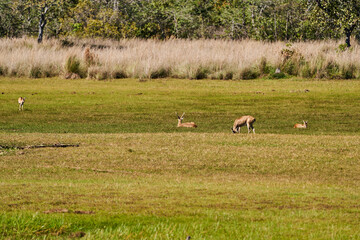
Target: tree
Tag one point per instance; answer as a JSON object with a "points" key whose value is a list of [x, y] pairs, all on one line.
{"points": [[346, 14]]}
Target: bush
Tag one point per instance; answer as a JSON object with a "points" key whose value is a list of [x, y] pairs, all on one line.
{"points": [[348, 72], [264, 68], [35, 72], [307, 72], [200, 73], [3, 71], [228, 76], [249, 73], [291, 67], [222, 75], [73, 65], [117, 74], [50, 71], [278, 75], [98, 73], [160, 73], [332, 70]]}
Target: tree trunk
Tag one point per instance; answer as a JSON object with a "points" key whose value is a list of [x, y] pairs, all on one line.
{"points": [[348, 35], [42, 23], [348, 32]]}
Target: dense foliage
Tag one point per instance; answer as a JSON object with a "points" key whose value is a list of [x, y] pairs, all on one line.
{"points": [[228, 19]]}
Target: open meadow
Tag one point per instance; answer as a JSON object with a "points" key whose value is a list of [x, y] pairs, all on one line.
{"points": [[129, 173]]}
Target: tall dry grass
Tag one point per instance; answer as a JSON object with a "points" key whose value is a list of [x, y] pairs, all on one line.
{"points": [[193, 59]]}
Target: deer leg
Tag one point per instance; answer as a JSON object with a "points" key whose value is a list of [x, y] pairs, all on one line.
{"points": [[252, 127], [248, 127]]}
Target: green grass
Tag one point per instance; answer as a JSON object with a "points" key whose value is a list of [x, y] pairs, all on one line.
{"points": [[143, 178], [130, 106]]}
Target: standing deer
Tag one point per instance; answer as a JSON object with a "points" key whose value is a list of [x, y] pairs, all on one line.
{"points": [[244, 120], [298, 125], [21, 102], [188, 124]]}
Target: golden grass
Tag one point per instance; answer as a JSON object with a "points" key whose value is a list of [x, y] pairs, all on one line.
{"points": [[175, 58], [180, 172]]}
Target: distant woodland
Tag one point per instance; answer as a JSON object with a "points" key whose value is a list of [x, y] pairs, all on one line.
{"points": [[269, 20]]}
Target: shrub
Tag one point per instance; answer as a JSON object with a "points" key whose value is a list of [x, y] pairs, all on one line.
{"points": [[72, 65], [3, 71], [348, 72], [223, 75], [249, 73], [279, 75], [200, 73], [307, 72], [332, 70], [50, 71], [228, 76], [291, 67], [35, 72], [117, 74], [160, 73], [98, 73], [264, 68]]}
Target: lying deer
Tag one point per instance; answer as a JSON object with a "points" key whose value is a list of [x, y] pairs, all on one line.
{"points": [[298, 125], [188, 124], [21, 102], [244, 120]]}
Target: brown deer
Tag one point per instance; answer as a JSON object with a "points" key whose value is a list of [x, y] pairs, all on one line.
{"points": [[188, 124], [21, 102], [298, 125], [244, 120]]}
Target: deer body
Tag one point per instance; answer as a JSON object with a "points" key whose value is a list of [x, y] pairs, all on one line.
{"points": [[242, 121], [298, 125], [187, 124], [21, 102]]}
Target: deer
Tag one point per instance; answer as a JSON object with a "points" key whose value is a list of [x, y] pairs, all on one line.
{"points": [[21, 102], [244, 120], [299, 125], [188, 124]]}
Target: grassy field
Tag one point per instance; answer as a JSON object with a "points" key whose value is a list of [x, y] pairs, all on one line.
{"points": [[136, 176]]}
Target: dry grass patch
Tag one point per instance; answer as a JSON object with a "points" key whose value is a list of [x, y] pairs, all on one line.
{"points": [[192, 59]]}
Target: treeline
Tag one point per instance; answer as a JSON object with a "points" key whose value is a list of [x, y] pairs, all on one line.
{"points": [[285, 20]]}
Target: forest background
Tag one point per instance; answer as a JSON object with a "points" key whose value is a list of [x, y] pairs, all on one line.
{"points": [[273, 20]]}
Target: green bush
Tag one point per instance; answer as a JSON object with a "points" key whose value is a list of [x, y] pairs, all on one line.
{"points": [[160, 73], [307, 72], [291, 67], [35, 72], [3, 71], [117, 74], [264, 68], [348, 72], [249, 73], [332, 70], [278, 75], [200, 73], [72, 65]]}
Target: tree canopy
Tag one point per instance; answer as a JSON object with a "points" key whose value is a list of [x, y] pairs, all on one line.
{"points": [[270, 20]]}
